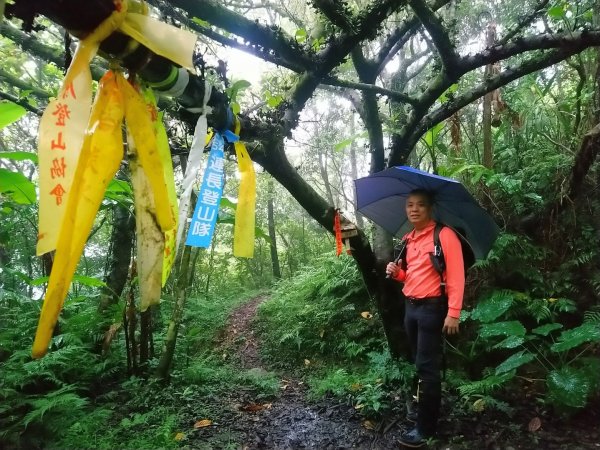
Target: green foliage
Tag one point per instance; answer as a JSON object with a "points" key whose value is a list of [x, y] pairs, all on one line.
{"points": [[317, 314], [531, 337], [10, 112]]}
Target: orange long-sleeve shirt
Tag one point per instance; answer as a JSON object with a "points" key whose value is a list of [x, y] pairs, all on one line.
{"points": [[420, 278]]}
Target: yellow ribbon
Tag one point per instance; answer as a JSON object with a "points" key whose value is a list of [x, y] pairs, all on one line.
{"points": [[164, 152], [100, 158], [243, 238]]}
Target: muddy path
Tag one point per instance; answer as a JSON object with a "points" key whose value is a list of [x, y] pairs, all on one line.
{"points": [[291, 421]]}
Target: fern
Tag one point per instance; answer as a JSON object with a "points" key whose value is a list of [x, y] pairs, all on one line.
{"points": [[486, 385], [61, 404]]}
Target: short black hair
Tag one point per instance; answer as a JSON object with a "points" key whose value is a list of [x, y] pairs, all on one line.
{"points": [[427, 195]]}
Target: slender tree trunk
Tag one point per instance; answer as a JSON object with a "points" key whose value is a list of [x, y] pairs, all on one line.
{"points": [[353, 167], [325, 176], [121, 246], [145, 335], [166, 359], [131, 325], [272, 235], [488, 154]]}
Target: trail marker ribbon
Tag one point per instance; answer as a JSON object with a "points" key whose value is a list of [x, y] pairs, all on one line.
{"points": [[207, 207]]}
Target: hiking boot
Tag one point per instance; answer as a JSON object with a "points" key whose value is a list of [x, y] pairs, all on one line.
{"points": [[412, 439]]}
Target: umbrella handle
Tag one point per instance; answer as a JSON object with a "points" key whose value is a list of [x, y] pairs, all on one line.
{"points": [[399, 257], [396, 261]]}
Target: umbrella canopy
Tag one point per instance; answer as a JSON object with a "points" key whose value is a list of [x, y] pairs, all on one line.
{"points": [[381, 197]]}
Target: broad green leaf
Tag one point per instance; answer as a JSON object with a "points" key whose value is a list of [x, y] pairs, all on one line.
{"points": [[545, 330], [202, 23], [119, 191], [10, 112], [587, 332], [556, 12], [301, 35], [492, 307], [274, 101], [510, 342], [258, 232], [511, 328], [447, 93], [236, 88], [568, 386], [432, 134], [16, 186], [235, 108], [20, 156], [514, 361], [226, 203]]}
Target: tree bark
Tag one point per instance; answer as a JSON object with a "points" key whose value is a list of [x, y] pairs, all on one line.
{"points": [[272, 234], [121, 246], [354, 169], [166, 358]]}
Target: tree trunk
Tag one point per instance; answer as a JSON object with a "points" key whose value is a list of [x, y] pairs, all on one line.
{"points": [[272, 235], [121, 246], [488, 152], [353, 167], [325, 176], [166, 358], [145, 335]]}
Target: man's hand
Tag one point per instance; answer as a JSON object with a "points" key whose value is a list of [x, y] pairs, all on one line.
{"points": [[450, 325], [392, 270]]}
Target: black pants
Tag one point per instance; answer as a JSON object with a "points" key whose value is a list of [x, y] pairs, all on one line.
{"points": [[424, 320]]}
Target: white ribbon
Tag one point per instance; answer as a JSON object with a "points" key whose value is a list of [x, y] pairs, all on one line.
{"points": [[194, 163]]}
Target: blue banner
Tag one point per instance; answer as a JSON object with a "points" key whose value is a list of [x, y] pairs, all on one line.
{"points": [[205, 215]]}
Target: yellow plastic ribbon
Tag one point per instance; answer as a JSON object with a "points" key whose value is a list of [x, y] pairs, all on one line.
{"points": [[61, 134], [100, 158], [243, 238], [164, 152]]}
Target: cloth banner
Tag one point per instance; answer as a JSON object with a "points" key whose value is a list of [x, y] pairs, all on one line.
{"points": [[209, 198]]}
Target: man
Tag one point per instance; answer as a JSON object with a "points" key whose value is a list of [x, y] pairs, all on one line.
{"points": [[429, 311]]}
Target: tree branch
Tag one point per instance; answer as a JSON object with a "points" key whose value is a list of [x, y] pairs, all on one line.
{"points": [[337, 12], [449, 108], [369, 22], [578, 40], [437, 32], [267, 39], [399, 97], [400, 36], [523, 22]]}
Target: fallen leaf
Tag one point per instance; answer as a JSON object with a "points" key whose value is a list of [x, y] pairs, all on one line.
{"points": [[359, 406], [368, 425], [179, 436], [366, 315], [356, 387], [307, 362], [534, 424], [203, 423], [322, 333], [253, 407]]}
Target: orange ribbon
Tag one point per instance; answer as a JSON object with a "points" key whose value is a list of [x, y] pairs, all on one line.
{"points": [[337, 228]]}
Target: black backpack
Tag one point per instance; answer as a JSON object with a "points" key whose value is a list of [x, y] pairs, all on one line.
{"points": [[437, 256]]}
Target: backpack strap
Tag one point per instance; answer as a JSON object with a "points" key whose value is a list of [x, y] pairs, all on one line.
{"points": [[437, 257]]}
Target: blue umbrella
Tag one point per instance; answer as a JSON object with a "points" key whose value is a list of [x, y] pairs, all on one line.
{"points": [[382, 196]]}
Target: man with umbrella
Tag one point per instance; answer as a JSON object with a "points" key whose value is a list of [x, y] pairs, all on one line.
{"points": [[428, 312], [402, 199]]}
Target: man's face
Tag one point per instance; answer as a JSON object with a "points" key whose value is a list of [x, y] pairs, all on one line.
{"points": [[418, 209]]}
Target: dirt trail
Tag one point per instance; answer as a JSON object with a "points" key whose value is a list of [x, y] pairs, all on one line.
{"points": [[289, 421]]}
